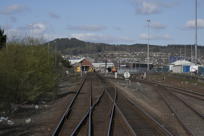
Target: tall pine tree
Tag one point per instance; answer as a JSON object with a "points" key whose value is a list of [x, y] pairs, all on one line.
{"points": [[3, 38]]}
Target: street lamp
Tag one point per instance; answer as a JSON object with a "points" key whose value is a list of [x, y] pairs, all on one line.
{"points": [[148, 25]]}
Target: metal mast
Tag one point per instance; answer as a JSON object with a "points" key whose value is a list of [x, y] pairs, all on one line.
{"points": [[196, 32], [148, 22]]}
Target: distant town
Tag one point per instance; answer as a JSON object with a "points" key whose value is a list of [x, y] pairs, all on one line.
{"points": [[175, 58]]}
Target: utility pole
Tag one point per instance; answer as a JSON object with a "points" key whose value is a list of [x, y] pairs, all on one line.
{"points": [[196, 32], [191, 54], [180, 53], [105, 65], [185, 52], [148, 25]]}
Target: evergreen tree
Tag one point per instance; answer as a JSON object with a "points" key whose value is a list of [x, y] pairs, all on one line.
{"points": [[3, 38]]}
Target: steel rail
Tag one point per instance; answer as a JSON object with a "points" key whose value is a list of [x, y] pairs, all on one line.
{"points": [[157, 123], [177, 88], [76, 129], [90, 113], [184, 93], [190, 93], [177, 117], [79, 125], [189, 106], [147, 115], [67, 112], [112, 114], [184, 90], [122, 115]]}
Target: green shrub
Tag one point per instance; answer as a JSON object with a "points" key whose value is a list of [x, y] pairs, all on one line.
{"points": [[26, 73]]}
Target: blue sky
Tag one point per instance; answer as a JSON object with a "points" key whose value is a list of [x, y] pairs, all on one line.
{"points": [[108, 21]]}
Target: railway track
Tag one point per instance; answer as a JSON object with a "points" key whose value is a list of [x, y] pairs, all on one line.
{"points": [[93, 112], [141, 122], [118, 119], [62, 120], [192, 93], [189, 93], [189, 106], [188, 117], [163, 97], [100, 109]]}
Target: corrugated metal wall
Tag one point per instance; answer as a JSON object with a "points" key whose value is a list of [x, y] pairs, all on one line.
{"points": [[177, 69]]}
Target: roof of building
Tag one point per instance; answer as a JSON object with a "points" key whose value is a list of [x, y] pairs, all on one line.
{"points": [[182, 62], [85, 62], [75, 61]]}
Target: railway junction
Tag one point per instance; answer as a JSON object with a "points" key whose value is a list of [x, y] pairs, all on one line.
{"points": [[107, 106]]}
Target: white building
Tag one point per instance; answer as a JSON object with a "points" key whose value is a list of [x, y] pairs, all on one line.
{"points": [[178, 66], [102, 65]]}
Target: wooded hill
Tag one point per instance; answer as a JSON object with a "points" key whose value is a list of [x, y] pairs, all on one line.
{"points": [[74, 46]]}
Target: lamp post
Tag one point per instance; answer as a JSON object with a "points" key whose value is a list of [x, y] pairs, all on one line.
{"points": [[196, 32], [148, 37]]}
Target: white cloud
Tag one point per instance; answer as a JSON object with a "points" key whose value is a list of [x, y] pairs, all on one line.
{"points": [[13, 33], [92, 28], [157, 25], [13, 9], [54, 15], [147, 7], [155, 37], [191, 23], [101, 38], [37, 28]]}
